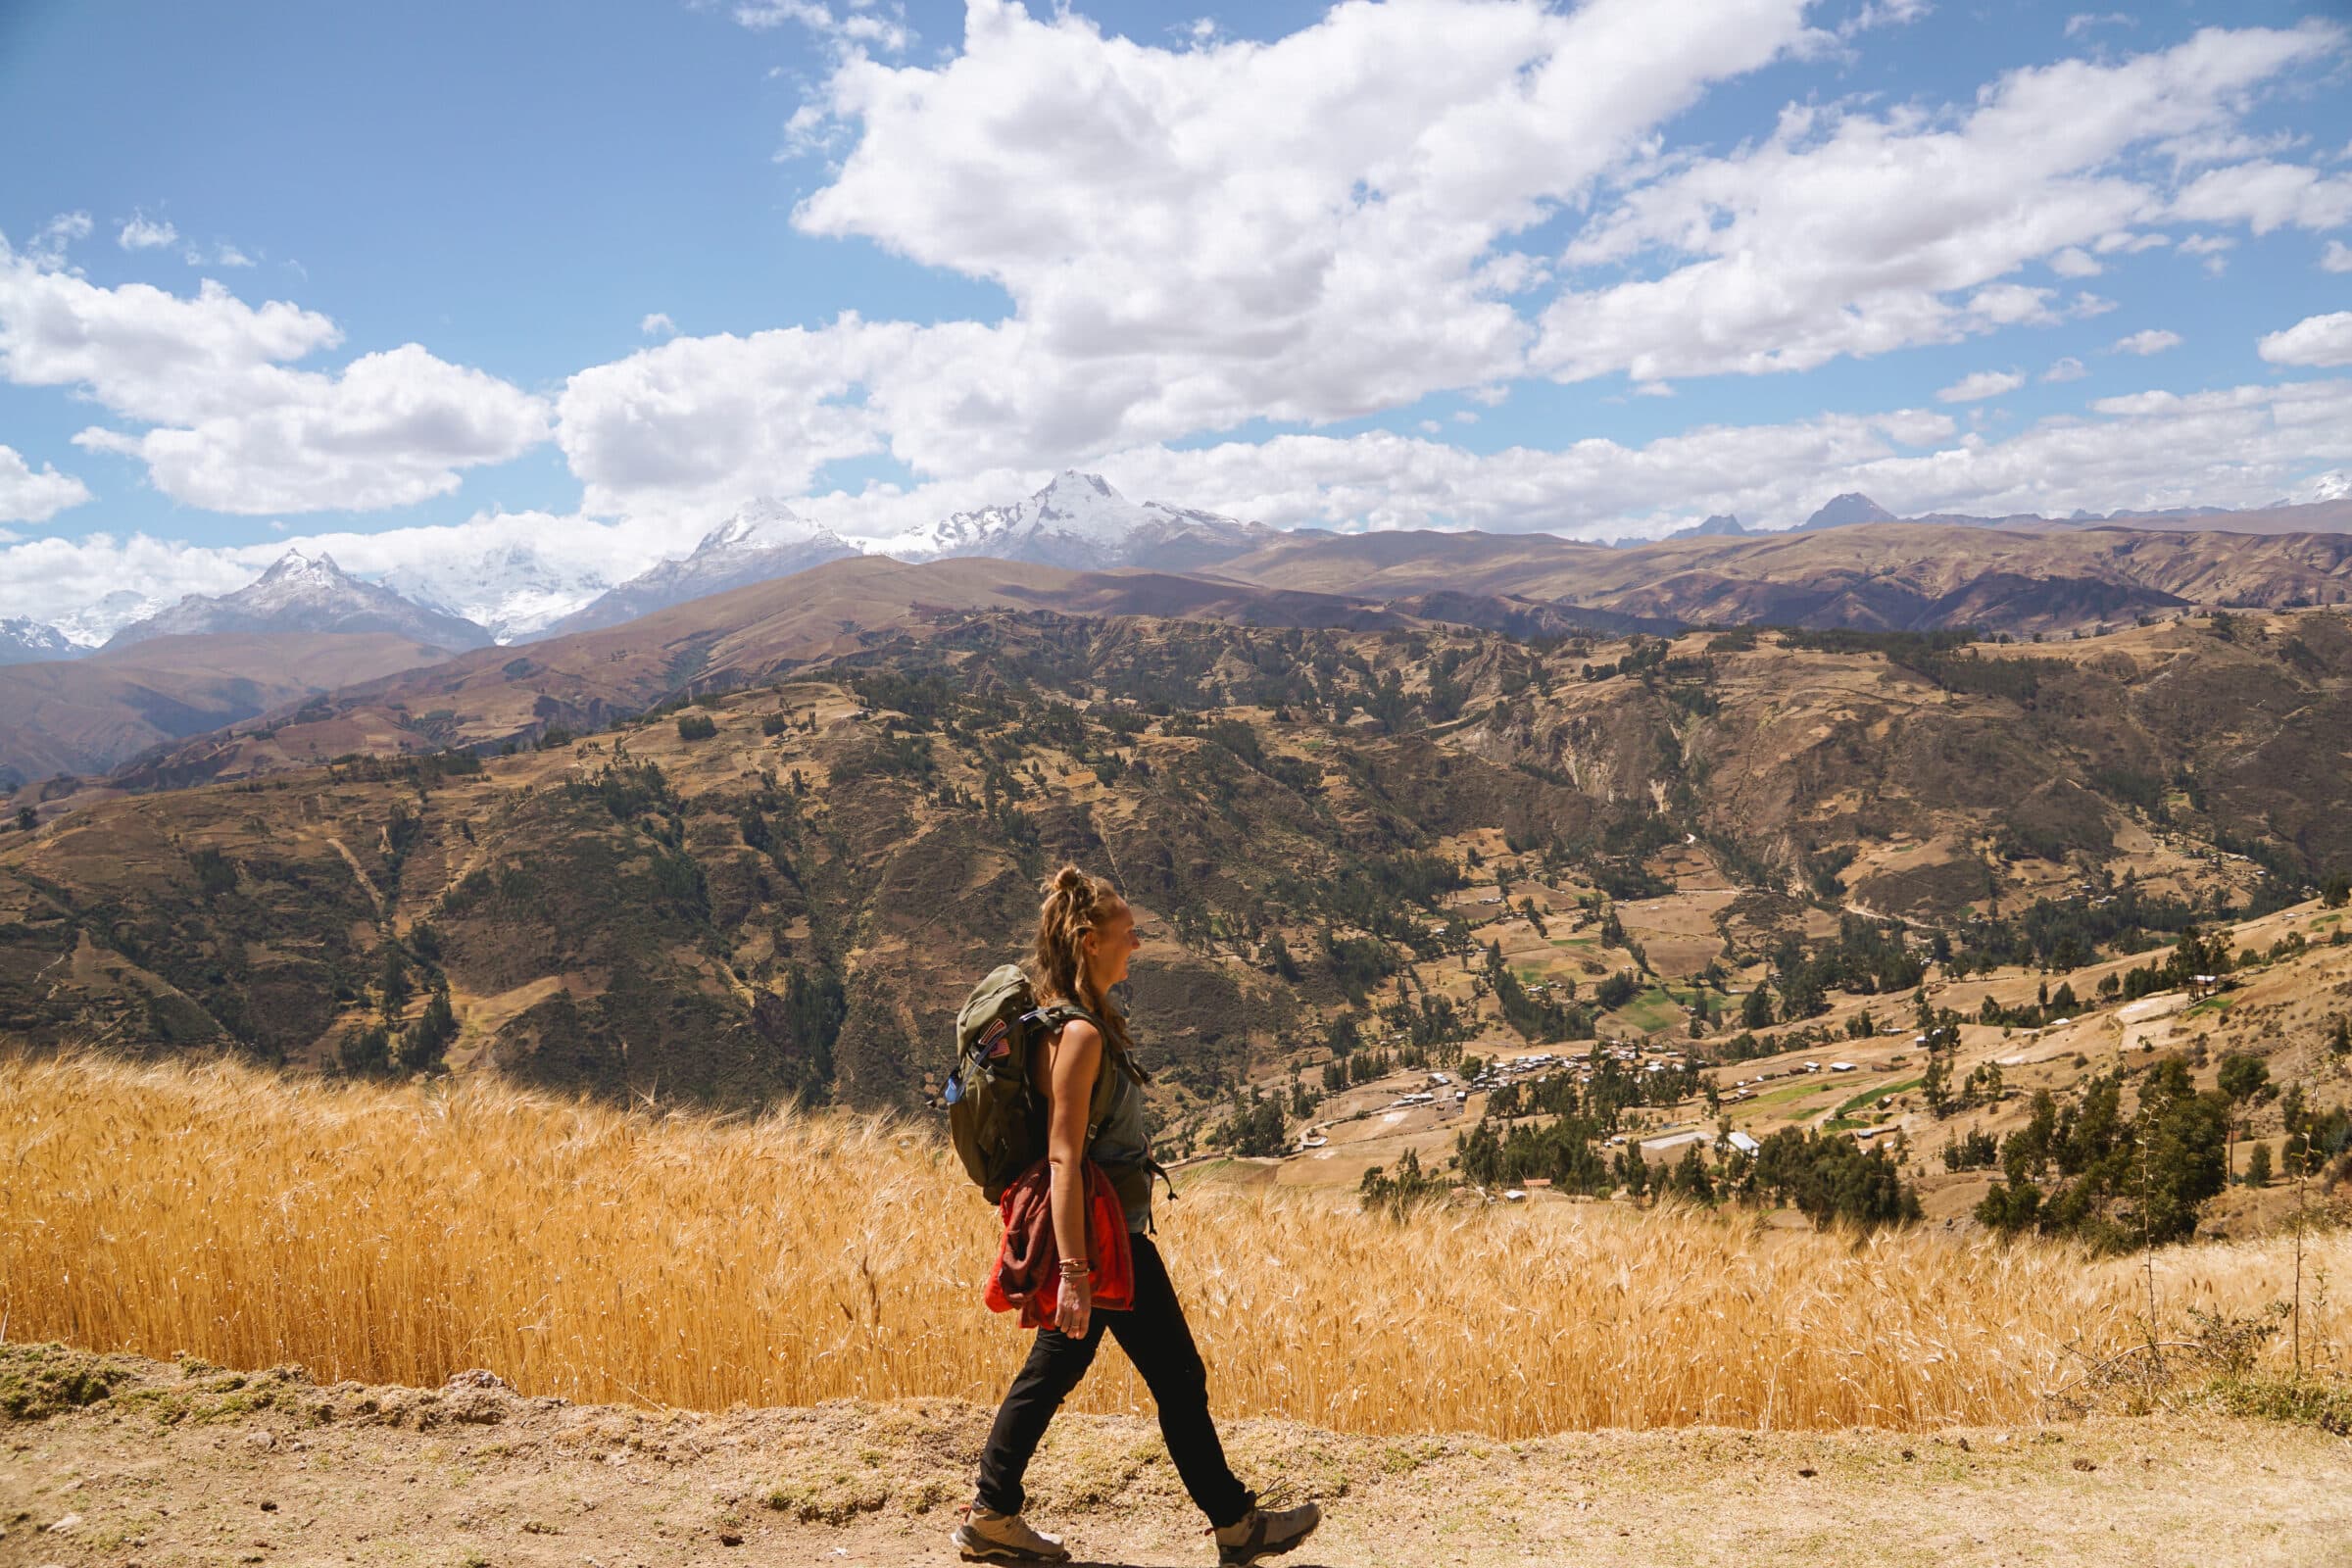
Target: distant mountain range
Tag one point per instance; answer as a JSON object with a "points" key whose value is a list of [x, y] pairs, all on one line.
{"points": [[764, 541], [304, 593], [1079, 522], [512, 590], [521, 591], [25, 642]]}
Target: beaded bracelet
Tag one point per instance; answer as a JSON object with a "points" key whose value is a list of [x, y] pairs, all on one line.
{"points": [[1076, 1268]]}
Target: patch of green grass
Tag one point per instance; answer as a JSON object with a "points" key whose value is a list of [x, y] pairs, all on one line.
{"points": [[38, 1381], [1871, 1095], [2313, 1402], [1797, 1090], [209, 1394], [1653, 1009], [2212, 1006], [833, 1499]]}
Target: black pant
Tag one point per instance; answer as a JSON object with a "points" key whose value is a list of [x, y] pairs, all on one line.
{"points": [[1157, 1341]]}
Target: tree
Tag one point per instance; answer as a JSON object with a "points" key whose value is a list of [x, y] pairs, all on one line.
{"points": [[2336, 891], [26, 818], [2242, 1077], [1400, 1194], [1277, 954], [2258, 1165], [392, 982], [696, 727], [366, 1051], [1255, 1128], [1756, 1012], [425, 1043], [1689, 1178]]}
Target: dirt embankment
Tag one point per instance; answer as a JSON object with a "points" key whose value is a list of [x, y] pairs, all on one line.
{"points": [[124, 1461]]}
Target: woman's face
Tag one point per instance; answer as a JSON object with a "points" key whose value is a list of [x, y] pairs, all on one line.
{"points": [[1108, 947]]}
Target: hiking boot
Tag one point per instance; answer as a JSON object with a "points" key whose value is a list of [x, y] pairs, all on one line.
{"points": [[986, 1535], [1260, 1534]]}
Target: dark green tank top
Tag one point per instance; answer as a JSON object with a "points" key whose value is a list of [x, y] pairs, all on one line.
{"points": [[1118, 1142]]}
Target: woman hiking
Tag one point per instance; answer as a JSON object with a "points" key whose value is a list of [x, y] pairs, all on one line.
{"points": [[1085, 936]]}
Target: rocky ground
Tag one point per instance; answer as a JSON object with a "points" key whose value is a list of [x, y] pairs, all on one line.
{"points": [[124, 1462]]}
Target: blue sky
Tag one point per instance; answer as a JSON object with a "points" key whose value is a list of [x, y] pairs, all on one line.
{"points": [[1428, 261]]}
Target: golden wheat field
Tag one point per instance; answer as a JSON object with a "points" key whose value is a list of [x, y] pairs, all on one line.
{"points": [[399, 1235]]}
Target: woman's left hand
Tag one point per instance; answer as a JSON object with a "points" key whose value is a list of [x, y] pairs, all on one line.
{"points": [[1075, 1305]]}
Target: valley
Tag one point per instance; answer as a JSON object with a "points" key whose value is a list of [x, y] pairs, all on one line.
{"points": [[1361, 855]]}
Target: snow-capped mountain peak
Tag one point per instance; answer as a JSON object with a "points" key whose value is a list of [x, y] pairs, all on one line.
{"points": [[1079, 520], [764, 541], [2333, 485], [24, 640], [765, 524], [92, 624], [303, 591], [300, 575]]}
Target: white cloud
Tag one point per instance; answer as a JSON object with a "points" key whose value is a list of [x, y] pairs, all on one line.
{"points": [[2068, 369], [388, 430], [2152, 340], [2264, 196], [2322, 340], [657, 324], [2213, 248], [1884, 14], [1334, 225], [52, 577], [2336, 258], [1307, 229], [142, 233], [1982, 385], [1844, 235], [2082, 21], [698, 424], [144, 353], [236, 429], [29, 497], [2240, 447], [859, 25], [51, 240]]}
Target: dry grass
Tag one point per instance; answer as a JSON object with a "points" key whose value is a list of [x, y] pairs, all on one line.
{"points": [[401, 1235]]}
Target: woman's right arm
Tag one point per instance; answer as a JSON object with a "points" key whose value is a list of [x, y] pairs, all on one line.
{"points": [[1077, 1057]]}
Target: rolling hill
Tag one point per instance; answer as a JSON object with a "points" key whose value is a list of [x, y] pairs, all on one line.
{"points": [[788, 904], [92, 715]]}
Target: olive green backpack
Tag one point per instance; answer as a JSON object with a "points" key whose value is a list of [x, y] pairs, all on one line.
{"points": [[996, 1118]]}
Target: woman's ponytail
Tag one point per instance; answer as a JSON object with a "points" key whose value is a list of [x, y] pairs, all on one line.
{"points": [[1075, 905]]}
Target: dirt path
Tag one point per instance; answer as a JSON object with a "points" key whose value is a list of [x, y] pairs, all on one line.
{"points": [[365, 886], [204, 1467]]}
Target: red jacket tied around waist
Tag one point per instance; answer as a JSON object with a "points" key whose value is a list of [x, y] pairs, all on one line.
{"points": [[1027, 1275]]}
